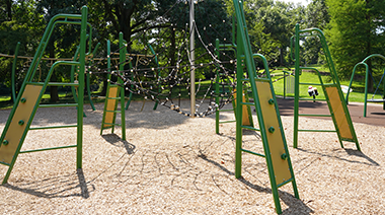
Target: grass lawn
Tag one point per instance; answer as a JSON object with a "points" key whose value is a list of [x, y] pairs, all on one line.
{"points": [[310, 78], [357, 95]]}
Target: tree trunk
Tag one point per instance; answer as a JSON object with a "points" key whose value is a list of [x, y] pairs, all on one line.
{"points": [[9, 9], [281, 56]]}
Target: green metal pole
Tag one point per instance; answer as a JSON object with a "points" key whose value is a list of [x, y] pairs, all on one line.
{"points": [[217, 90], [366, 89], [108, 84], [296, 87], [120, 81], [82, 58], [88, 79], [157, 63], [14, 72], [238, 111]]}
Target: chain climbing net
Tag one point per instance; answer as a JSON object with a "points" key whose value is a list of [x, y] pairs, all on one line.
{"points": [[162, 71]]}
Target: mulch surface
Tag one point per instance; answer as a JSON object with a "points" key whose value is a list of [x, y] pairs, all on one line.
{"points": [[172, 164]]}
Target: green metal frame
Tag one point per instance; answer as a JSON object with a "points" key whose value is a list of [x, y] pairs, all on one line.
{"points": [[120, 95], [229, 47], [14, 72], [88, 85], [58, 19], [73, 68], [335, 83], [366, 82], [218, 47], [245, 59]]}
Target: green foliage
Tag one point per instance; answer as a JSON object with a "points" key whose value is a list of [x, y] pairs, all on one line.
{"points": [[316, 16], [355, 31], [272, 23]]}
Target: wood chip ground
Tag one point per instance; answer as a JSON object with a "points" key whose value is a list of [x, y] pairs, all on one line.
{"points": [[172, 164]]}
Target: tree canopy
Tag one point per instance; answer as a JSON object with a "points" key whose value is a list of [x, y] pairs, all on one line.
{"points": [[354, 28]]}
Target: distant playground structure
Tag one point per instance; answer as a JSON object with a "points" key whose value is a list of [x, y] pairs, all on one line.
{"points": [[234, 78], [379, 86], [332, 91]]}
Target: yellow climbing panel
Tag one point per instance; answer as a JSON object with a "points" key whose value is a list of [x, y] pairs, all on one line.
{"points": [[18, 125], [276, 144], [246, 110], [339, 112], [111, 107]]}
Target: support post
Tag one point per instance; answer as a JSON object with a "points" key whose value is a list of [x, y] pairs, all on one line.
{"points": [[192, 59]]}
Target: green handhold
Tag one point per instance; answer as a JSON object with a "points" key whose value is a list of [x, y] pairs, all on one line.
{"points": [[271, 101], [21, 122], [284, 156], [271, 129], [23, 100], [5, 142]]}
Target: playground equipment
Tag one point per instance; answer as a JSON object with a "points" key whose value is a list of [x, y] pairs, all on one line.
{"points": [[51, 60], [112, 95], [367, 72], [276, 151], [332, 91], [223, 89], [31, 92]]}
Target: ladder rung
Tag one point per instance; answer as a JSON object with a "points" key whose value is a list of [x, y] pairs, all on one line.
{"points": [[250, 128], [47, 149], [315, 115], [53, 127], [113, 111], [112, 124], [222, 122], [317, 130], [285, 182], [54, 84], [58, 105], [251, 152], [247, 103], [7, 164], [62, 84]]}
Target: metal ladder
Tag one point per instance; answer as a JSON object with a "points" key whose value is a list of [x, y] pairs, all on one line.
{"points": [[31, 92], [332, 91], [271, 129], [115, 94], [222, 89]]}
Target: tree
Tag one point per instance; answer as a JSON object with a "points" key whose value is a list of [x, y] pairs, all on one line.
{"points": [[355, 31], [316, 16], [272, 22], [63, 40], [19, 22]]}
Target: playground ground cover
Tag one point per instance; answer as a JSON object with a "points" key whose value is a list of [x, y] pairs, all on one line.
{"points": [[171, 164]]}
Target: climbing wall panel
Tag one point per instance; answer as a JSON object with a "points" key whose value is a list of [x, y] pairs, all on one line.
{"points": [[246, 111], [275, 140], [18, 126], [111, 106], [339, 113]]}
